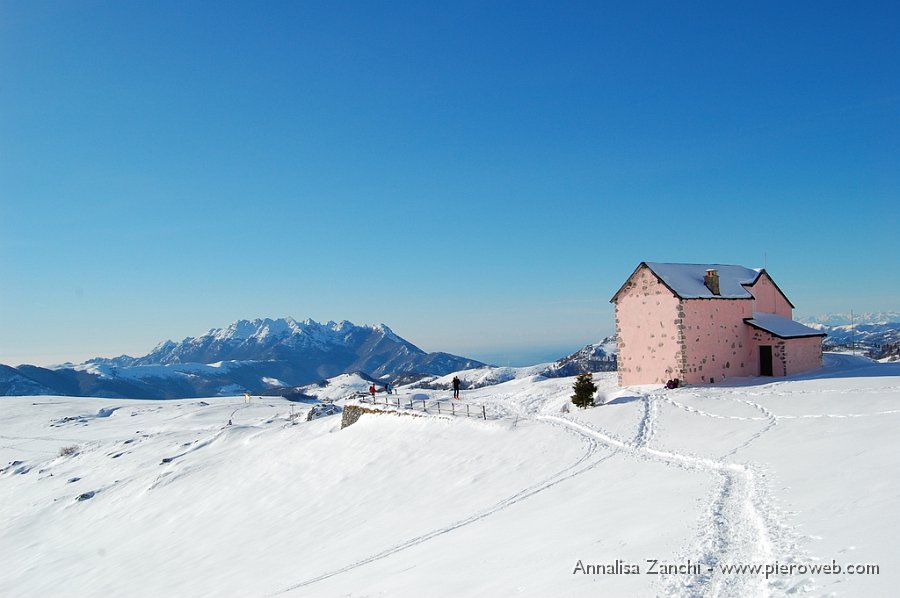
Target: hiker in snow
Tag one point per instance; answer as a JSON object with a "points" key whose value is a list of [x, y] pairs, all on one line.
{"points": [[455, 387], [372, 391], [389, 388]]}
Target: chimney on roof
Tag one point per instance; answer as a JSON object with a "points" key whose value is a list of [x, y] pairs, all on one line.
{"points": [[711, 280]]}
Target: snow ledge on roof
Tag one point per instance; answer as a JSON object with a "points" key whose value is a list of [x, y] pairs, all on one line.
{"points": [[780, 326]]}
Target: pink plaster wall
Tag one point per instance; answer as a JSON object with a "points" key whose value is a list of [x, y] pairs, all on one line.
{"points": [[767, 298], [716, 340], [804, 354], [646, 314]]}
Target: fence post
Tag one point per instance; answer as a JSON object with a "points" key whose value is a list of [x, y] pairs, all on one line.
{"points": [[453, 408], [484, 412], [424, 407], [439, 408], [467, 410]]}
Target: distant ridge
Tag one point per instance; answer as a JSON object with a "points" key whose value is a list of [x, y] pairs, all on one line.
{"points": [[247, 355], [846, 319]]}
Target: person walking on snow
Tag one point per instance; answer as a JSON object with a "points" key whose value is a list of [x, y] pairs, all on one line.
{"points": [[455, 387], [372, 391]]}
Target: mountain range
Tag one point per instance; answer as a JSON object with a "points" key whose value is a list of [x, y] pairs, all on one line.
{"points": [[247, 356], [850, 319], [878, 341], [873, 334], [278, 356]]}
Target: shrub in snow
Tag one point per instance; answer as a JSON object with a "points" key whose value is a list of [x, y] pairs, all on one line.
{"points": [[68, 451], [584, 391]]}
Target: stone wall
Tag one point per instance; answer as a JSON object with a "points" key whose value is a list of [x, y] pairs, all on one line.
{"points": [[803, 354], [716, 340], [647, 331], [789, 356], [352, 413], [779, 356]]}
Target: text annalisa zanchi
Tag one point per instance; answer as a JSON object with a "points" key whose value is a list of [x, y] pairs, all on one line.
{"points": [[649, 567]]}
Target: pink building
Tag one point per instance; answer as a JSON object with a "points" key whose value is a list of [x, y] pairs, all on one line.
{"points": [[701, 323]]}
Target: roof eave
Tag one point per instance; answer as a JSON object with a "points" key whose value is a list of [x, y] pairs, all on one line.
{"points": [[776, 335], [663, 282], [625, 284]]}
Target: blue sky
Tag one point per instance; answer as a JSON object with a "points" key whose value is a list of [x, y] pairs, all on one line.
{"points": [[480, 176]]}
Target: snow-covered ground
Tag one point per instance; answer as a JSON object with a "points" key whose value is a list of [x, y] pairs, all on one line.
{"points": [[104, 497]]}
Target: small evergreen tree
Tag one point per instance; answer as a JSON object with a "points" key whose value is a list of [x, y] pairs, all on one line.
{"points": [[584, 391]]}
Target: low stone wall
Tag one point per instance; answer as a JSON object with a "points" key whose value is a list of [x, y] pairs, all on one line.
{"points": [[352, 413]]}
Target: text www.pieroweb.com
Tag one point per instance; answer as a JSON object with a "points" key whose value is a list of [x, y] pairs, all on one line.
{"points": [[688, 567]]}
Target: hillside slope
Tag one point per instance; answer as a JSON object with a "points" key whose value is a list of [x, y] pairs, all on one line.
{"points": [[173, 501]]}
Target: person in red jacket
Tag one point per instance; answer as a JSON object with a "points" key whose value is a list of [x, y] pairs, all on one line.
{"points": [[372, 391]]}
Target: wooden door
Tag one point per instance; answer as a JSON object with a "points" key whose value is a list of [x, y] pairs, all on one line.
{"points": [[765, 360]]}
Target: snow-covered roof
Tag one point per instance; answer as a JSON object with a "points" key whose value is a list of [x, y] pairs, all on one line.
{"points": [[780, 326], [686, 280]]}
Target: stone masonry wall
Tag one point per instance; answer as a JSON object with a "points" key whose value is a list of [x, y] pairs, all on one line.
{"points": [[804, 354], [647, 331], [716, 340], [779, 354], [352, 413]]}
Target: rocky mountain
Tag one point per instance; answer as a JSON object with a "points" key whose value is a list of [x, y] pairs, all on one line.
{"points": [[598, 357], [248, 356]]}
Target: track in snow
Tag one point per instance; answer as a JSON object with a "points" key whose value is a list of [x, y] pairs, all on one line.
{"points": [[740, 524], [583, 464], [647, 425]]}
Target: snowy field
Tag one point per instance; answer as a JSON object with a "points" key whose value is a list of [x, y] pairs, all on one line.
{"points": [[103, 497]]}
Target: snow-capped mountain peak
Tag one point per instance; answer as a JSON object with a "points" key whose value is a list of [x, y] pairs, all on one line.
{"points": [[256, 352], [260, 328], [846, 319], [388, 333]]}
